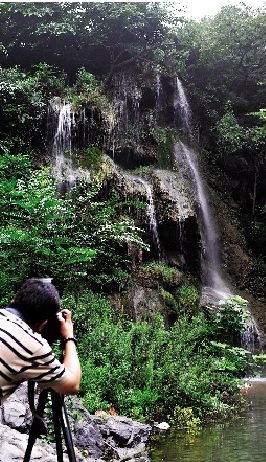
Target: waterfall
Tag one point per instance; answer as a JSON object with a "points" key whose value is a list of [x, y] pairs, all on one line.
{"points": [[63, 123], [250, 337], [151, 213], [62, 143], [187, 161], [63, 135], [211, 267], [121, 101], [182, 108]]}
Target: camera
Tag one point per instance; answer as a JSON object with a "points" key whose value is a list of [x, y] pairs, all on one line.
{"points": [[51, 331]]}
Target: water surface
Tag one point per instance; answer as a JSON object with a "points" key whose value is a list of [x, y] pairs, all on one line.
{"points": [[241, 440]]}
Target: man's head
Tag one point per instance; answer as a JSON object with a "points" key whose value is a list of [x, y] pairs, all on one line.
{"points": [[37, 300]]}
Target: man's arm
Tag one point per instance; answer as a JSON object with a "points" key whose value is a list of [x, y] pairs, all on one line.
{"points": [[71, 361]]}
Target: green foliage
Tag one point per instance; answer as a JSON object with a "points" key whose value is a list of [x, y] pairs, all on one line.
{"points": [[168, 275], [144, 370], [89, 158], [86, 83], [185, 418], [234, 137], [110, 36], [43, 235], [223, 56], [230, 319], [23, 98], [142, 170], [169, 299], [231, 133], [35, 233], [232, 359], [187, 296]]}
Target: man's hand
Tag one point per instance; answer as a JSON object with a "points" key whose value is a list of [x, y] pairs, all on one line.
{"points": [[71, 361], [66, 326]]}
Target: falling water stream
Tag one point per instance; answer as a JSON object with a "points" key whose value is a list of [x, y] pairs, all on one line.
{"points": [[211, 260], [63, 169], [62, 144], [188, 166], [151, 213]]}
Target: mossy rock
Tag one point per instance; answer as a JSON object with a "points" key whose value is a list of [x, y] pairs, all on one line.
{"points": [[157, 274], [169, 299]]}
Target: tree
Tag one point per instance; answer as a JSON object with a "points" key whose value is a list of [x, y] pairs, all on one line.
{"points": [[102, 37], [247, 142], [224, 60]]}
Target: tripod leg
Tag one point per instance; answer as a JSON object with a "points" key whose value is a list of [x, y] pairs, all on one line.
{"points": [[37, 425], [67, 434], [56, 409]]}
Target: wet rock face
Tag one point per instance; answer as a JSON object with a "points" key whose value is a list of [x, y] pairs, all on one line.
{"points": [[131, 155], [235, 253], [173, 200], [145, 302], [174, 211]]}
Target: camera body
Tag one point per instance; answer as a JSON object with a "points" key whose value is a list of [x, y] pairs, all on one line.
{"points": [[51, 330]]}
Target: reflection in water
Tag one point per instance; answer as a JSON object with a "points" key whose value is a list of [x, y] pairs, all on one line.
{"points": [[243, 440]]}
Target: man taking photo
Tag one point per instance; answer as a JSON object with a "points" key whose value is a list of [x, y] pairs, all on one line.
{"points": [[24, 353]]}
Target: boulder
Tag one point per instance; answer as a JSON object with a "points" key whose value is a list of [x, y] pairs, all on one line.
{"points": [[15, 411], [127, 454], [13, 446], [127, 432], [99, 437]]}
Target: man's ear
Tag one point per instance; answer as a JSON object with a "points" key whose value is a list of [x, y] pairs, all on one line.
{"points": [[39, 327]]}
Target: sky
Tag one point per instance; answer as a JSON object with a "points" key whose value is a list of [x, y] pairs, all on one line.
{"points": [[199, 8]]}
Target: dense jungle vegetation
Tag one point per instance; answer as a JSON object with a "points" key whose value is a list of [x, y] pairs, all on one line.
{"points": [[190, 371]]}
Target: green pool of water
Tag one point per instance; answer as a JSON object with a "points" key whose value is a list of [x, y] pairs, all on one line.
{"points": [[242, 440]]}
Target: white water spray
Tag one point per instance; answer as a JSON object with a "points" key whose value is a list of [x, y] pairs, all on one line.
{"points": [[64, 122], [182, 108], [187, 161], [151, 213], [212, 274], [62, 143]]}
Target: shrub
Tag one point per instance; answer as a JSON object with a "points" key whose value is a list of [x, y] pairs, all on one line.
{"points": [[146, 371], [188, 297]]}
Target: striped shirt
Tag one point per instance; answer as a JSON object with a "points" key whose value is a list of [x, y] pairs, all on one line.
{"points": [[25, 355]]}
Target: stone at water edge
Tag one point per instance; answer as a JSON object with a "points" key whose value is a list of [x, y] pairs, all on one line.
{"points": [[127, 432], [125, 454], [162, 425]]}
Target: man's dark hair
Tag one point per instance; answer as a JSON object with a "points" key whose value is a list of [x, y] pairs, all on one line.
{"points": [[37, 300]]}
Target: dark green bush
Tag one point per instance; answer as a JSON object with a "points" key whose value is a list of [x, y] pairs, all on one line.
{"points": [[146, 371]]}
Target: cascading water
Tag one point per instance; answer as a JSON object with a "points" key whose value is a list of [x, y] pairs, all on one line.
{"points": [[182, 109], [211, 261], [188, 166], [213, 278], [62, 143], [127, 98], [63, 135], [63, 123], [151, 214]]}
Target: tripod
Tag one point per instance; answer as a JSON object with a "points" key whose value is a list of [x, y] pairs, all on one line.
{"points": [[60, 422]]}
